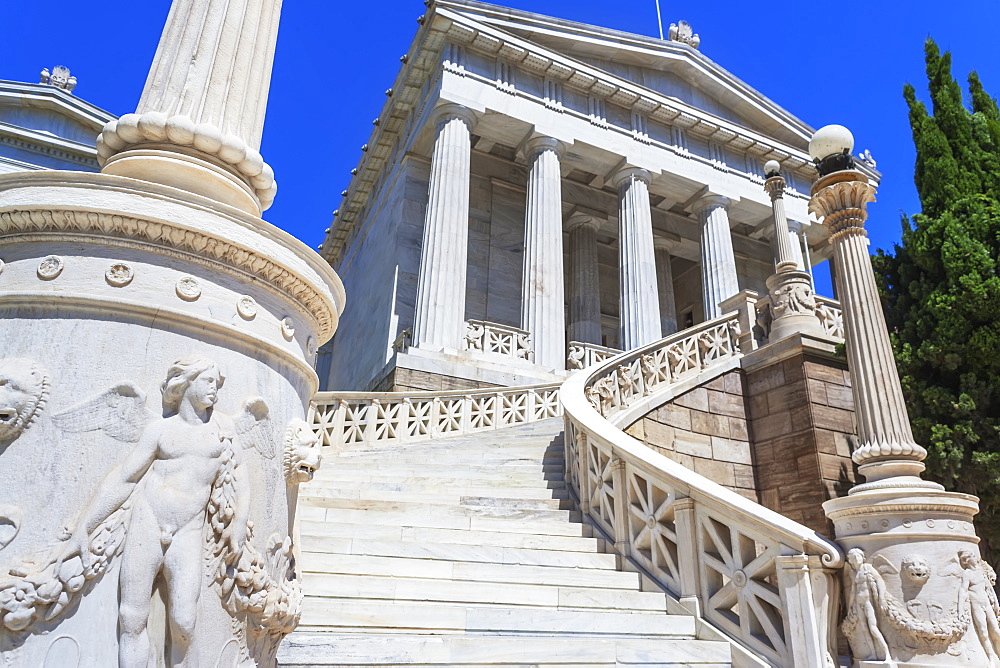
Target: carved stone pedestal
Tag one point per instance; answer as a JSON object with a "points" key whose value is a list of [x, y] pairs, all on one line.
{"points": [[155, 366], [793, 305]]}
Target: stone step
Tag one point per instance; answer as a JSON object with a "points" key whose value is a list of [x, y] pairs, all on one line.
{"points": [[464, 553], [401, 518], [472, 651], [435, 485], [556, 499], [511, 511], [475, 593], [414, 456], [391, 467], [349, 564], [312, 531], [499, 475], [356, 614]]}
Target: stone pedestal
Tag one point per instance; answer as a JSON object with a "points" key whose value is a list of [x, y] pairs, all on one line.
{"points": [[718, 262], [584, 282], [542, 296], [639, 308], [439, 315], [157, 344]]}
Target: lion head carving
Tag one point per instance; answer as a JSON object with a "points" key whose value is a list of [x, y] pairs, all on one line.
{"points": [[302, 455], [24, 390]]}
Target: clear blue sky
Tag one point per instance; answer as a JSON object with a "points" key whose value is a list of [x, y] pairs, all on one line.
{"points": [[336, 58]]}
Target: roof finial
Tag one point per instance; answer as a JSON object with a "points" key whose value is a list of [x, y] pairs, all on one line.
{"points": [[681, 32], [59, 77]]}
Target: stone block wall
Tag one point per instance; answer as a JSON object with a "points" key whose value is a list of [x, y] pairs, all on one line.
{"points": [[706, 430], [401, 379], [802, 422]]}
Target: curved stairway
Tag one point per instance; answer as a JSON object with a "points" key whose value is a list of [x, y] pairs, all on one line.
{"points": [[467, 551]]}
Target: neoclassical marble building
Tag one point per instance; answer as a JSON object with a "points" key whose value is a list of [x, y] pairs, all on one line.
{"points": [[45, 126], [532, 182]]}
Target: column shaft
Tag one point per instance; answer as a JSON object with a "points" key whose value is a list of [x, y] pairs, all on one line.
{"points": [[639, 310], [665, 289], [542, 293], [718, 262], [584, 283], [439, 316]]}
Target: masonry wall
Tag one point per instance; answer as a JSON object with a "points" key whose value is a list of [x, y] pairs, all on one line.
{"points": [[802, 423], [706, 430]]}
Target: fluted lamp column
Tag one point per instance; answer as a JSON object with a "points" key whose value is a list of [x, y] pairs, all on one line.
{"points": [[439, 315], [793, 304], [662, 248], [584, 280], [199, 121], [718, 261], [542, 294], [639, 310]]}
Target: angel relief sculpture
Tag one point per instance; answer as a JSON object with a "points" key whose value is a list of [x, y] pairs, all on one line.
{"points": [[176, 497]]}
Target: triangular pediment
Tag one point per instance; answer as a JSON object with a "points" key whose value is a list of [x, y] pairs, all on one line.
{"points": [[664, 67], [45, 111]]}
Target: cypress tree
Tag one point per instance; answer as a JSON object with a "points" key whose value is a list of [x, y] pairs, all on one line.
{"points": [[941, 287]]}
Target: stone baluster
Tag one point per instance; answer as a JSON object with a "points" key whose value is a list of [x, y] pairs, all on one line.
{"points": [[662, 248], [718, 262], [439, 316], [639, 308], [542, 296], [584, 283], [199, 121], [793, 304]]}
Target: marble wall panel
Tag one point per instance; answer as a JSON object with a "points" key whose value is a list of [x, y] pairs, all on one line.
{"points": [[506, 256]]}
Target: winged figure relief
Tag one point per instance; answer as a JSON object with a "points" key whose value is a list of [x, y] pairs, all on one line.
{"points": [[177, 496]]}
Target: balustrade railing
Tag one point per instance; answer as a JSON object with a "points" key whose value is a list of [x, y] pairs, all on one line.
{"points": [[830, 316], [581, 355], [491, 337], [358, 419], [761, 578]]}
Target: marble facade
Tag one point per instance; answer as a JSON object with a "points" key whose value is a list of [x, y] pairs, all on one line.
{"points": [[665, 163]]}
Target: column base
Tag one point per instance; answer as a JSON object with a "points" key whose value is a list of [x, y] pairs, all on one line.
{"points": [[793, 305]]}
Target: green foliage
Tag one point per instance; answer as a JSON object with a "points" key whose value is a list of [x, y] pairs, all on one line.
{"points": [[942, 290]]}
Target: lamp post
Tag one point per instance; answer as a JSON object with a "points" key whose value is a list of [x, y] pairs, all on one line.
{"points": [[894, 525], [793, 304]]}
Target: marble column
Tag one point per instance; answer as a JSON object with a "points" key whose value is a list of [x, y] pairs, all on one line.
{"points": [[718, 262], [665, 284], [639, 309], [792, 302], [439, 316], [795, 233], [584, 281], [543, 312], [203, 105]]}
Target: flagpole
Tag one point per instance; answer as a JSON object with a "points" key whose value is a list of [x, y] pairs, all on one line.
{"points": [[659, 19]]}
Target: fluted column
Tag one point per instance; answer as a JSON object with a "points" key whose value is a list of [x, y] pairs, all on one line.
{"points": [[718, 262], [439, 316], [886, 447], [543, 311], [795, 233], [639, 309], [793, 304], [665, 284], [584, 282], [203, 105]]}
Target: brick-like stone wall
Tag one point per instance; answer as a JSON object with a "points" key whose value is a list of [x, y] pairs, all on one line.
{"points": [[401, 379], [802, 425], [706, 430]]}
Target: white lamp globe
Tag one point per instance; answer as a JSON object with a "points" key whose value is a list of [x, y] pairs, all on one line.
{"points": [[772, 166], [830, 140]]}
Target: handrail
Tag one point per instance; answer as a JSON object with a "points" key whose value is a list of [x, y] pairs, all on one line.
{"points": [[766, 581], [367, 419], [581, 355]]}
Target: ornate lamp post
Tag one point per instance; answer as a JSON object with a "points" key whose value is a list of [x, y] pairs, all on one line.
{"points": [[911, 545], [793, 304]]}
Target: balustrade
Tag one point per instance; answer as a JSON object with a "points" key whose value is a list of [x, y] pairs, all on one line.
{"points": [[581, 355], [350, 419], [761, 578], [490, 337]]}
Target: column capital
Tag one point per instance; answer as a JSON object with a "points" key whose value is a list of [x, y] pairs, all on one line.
{"points": [[666, 243], [536, 145], [626, 173], [775, 187], [710, 201], [450, 110], [580, 219]]}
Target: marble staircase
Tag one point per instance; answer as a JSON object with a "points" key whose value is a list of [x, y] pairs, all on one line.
{"points": [[468, 551]]}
